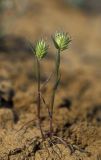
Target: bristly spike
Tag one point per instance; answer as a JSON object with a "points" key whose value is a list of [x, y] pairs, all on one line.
{"points": [[61, 40], [41, 49]]}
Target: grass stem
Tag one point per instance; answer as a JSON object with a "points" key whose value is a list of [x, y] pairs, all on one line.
{"points": [[39, 98], [57, 79]]}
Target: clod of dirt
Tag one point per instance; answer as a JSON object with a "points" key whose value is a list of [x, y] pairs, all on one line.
{"points": [[6, 98], [66, 103], [6, 91], [6, 118], [95, 114]]}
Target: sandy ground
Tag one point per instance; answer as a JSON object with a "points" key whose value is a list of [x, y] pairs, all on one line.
{"points": [[78, 99]]}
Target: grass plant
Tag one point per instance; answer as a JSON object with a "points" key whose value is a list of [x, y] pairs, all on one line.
{"points": [[61, 42]]}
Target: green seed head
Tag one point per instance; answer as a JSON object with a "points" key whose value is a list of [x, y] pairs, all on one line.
{"points": [[41, 49], [61, 40]]}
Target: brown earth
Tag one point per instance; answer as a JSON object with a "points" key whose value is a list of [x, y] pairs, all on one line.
{"points": [[77, 111]]}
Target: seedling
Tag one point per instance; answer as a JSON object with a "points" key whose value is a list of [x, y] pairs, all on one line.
{"points": [[40, 52], [61, 42]]}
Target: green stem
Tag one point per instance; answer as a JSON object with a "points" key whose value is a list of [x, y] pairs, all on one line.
{"points": [[57, 74], [39, 98]]}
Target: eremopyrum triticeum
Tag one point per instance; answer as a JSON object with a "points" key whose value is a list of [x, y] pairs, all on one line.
{"points": [[41, 49], [61, 40]]}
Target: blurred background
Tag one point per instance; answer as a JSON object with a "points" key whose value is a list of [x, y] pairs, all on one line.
{"points": [[22, 20], [28, 20], [79, 94]]}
